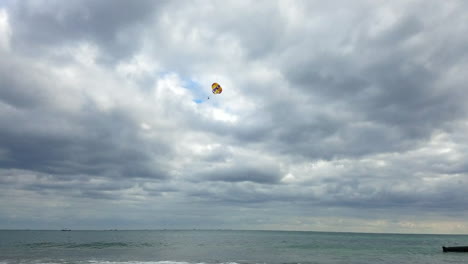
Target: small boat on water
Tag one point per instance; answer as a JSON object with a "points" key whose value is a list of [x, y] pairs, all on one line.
{"points": [[66, 229], [455, 249]]}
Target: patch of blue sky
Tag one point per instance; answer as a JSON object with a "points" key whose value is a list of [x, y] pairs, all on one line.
{"points": [[192, 85], [200, 93], [197, 90]]}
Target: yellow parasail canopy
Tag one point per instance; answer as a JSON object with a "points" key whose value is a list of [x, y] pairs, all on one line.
{"points": [[216, 88]]}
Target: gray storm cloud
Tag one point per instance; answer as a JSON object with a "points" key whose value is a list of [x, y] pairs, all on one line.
{"points": [[331, 113]]}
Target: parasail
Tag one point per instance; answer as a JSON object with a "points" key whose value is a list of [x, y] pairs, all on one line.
{"points": [[216, 88]]}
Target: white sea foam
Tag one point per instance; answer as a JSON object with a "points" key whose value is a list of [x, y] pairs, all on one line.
{"points": [[115, 262], [143, 262], [152, 262]]}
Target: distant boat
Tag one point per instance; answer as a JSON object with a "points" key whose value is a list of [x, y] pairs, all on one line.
{"points": [[455, 249], [65, 229]]}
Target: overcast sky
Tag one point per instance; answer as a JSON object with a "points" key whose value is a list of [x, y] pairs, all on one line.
{"points": [[334, 115]]}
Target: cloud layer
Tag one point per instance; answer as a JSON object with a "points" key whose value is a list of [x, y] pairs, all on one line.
{"points": [[334, 116]]}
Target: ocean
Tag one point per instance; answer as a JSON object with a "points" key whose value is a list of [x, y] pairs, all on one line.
{"points": [[224, 247]]}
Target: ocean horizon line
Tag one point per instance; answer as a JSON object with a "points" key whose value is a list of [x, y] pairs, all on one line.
{"points": [[229, 229]]}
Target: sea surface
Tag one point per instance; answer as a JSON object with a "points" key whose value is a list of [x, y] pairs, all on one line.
{"points": [[224, 247]]}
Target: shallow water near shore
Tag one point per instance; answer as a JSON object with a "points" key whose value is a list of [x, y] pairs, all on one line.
{"points": [[215, 247]]}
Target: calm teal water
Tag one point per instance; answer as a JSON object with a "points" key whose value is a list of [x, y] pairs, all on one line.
{"points": [[224, 247]]}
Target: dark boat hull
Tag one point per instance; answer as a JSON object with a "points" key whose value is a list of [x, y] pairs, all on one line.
{"points": [[455, 249]]}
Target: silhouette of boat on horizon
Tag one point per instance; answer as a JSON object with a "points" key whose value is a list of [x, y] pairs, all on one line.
{"points": [[455, 249], [65, 229]]}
